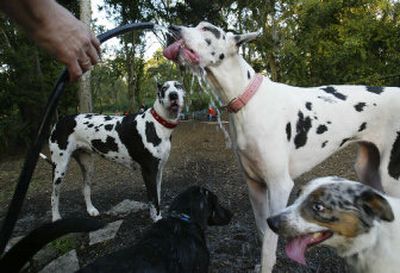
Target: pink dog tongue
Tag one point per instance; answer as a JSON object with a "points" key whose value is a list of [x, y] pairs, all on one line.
{"points": [[296, 248], [172, 51]]}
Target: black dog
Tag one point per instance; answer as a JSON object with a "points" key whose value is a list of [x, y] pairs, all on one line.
{"points": [[175, 244]]}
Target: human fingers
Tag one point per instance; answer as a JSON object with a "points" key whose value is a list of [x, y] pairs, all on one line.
{"points": [[92, 53], [85, 64], [85, 56], [96, 43], [74, 70], [89, 49]]}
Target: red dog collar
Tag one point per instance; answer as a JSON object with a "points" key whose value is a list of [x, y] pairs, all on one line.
{"points": [[239, 102], [162, 121]]}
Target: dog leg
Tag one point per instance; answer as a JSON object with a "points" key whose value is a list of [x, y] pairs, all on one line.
{"points": [[55, 202], [150, 181], [258, 199], [278, 195], [85, 162], [159, 180], [60, 164]]}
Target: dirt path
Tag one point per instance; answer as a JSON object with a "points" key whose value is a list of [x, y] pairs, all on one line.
{"points": [[198, 157]]}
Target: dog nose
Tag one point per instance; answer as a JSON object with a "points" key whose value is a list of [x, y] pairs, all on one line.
{"points": [[274, 223], [173, 96], [174, 28]]}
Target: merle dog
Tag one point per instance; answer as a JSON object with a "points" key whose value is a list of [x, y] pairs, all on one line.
{"points": [[143, 138], [360, 223], [174, 244], [281, 131]]}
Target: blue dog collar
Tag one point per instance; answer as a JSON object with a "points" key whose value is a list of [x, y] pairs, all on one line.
{"points": [[184, 217], [181, 216]]}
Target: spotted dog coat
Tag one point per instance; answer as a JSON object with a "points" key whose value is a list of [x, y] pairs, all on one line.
{"points": [[284, 131], [359, 222], [125, 140]]}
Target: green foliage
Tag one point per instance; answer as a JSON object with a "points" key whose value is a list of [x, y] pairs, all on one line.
{"points": [[26, 77], [13, 133], [340, 42], [109, 89]]}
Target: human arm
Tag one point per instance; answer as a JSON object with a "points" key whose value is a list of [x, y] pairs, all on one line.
{"points": [[56, 30]]}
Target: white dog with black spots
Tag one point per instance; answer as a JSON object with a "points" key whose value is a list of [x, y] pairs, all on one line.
{"points": [[144, 138], [281, 131]]}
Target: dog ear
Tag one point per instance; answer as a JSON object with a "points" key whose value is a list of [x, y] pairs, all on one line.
{"points": [[219, 215], [159, 86], [245, 38], [375, 205]]}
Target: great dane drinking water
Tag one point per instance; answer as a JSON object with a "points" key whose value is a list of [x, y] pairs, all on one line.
{"points": [[144, 138], [281, 131]]}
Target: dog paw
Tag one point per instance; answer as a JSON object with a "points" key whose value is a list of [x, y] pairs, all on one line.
{"points": [[93, 212], [154, 215], [56, 217], [156, 218]]}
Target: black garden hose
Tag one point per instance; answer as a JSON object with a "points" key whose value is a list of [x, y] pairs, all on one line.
{"points": [[33, 154]]}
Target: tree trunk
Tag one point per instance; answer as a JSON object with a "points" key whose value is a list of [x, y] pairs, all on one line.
{"points": [[132, 78], [274, 67], [273, 33], [133, 72], [85, 94]]}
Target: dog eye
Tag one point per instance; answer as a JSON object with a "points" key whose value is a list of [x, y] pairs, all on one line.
{"points": [[318, 207]]}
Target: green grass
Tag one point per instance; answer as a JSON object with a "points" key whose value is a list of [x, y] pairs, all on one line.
{"points": [[64, 244]]}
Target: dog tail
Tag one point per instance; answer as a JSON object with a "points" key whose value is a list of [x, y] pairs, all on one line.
{"points": [[43, 156], [18, 255]]}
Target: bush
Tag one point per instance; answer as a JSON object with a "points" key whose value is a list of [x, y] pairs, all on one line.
{"points": [[14, 135]]}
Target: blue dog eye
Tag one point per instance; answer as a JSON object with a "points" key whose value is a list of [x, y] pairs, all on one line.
{"points": [[318, 207]]}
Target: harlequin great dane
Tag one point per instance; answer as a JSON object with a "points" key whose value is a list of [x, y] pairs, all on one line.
{"points": [[144, 138], [360, 223], [281, 131]]}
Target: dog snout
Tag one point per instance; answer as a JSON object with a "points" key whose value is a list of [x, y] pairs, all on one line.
{"points": [[220, 216], [274, 223], [227, 216], [173, 96]]}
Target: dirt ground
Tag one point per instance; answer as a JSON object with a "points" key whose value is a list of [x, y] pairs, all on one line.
{"points": [[198, 157]]}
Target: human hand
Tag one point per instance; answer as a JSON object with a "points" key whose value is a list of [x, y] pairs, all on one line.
{"points": [[69, 40]]}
